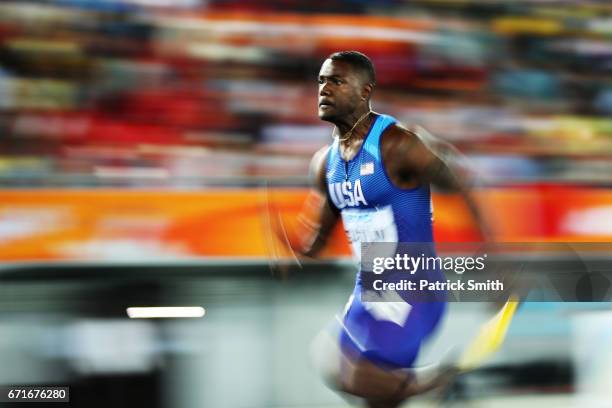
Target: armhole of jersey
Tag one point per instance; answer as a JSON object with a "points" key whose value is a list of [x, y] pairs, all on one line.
{"points": [[384, 167], [373, 142], [329, 155]]}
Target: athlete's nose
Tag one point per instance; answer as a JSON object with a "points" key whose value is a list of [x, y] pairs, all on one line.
{"points": [[324, 89]]}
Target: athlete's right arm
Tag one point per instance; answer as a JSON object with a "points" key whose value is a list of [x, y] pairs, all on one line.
{"points": [[320, 216]]}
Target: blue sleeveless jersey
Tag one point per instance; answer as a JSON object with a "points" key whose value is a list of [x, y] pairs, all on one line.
{"points": [[373, 209]]}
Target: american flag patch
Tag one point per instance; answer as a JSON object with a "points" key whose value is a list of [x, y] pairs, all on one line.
{"points": [[366, 168]]}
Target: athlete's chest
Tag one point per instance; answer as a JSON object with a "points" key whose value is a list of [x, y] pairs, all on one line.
{"points": [[356, 183]]}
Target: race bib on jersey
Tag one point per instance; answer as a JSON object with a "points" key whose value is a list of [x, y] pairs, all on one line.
{"points": [[387, 307], [394, 312], [369, 225]]}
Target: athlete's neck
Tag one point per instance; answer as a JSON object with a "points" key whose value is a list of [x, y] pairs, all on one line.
{"points": [[346, 123]]}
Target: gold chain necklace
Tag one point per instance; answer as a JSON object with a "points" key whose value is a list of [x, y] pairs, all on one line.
{"points": [[348, 134]]}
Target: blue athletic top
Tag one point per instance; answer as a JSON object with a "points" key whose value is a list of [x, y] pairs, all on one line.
{"points": [[373, 209]]}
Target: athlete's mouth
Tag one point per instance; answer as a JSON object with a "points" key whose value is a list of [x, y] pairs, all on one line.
{"points": [[325, 104]]}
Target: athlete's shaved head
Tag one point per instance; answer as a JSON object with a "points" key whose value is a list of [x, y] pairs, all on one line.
{"points": [[359, 62], [346, 81]]}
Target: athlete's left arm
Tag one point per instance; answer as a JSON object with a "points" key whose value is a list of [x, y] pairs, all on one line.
{"points": [[428, 160]]}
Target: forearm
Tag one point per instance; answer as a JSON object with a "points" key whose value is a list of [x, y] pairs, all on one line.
{"points": [[317, 232], [318, 243], [314, 225], [443, 177], [477, 215]]}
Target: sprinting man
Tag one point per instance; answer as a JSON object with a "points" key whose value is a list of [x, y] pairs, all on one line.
{"points": [[376, 176]]}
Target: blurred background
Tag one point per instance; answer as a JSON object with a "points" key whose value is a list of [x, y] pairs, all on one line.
{"points": [[146, 145]]}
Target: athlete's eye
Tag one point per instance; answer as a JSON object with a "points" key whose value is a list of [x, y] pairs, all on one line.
{"points": [[321, 81], [337, 81]]}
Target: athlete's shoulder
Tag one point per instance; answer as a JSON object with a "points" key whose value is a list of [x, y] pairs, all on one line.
{"points": [[399, 137], [318, 165], [405, 153], [319, 160]]}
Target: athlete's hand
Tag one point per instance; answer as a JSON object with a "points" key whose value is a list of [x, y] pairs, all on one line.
{"points": [[299, 233], [288, 238], [290, 234]]}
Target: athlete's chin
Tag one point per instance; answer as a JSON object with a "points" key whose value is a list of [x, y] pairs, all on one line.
{"points": [[326, 115]]}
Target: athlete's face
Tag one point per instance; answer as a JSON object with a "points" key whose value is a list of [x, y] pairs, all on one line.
{"points": [[341, 89]]}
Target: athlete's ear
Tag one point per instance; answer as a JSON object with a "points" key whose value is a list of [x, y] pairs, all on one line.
{"points": [[366, 91]]}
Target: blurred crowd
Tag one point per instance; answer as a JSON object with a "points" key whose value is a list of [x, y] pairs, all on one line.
{"points": [[194, 93]]}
